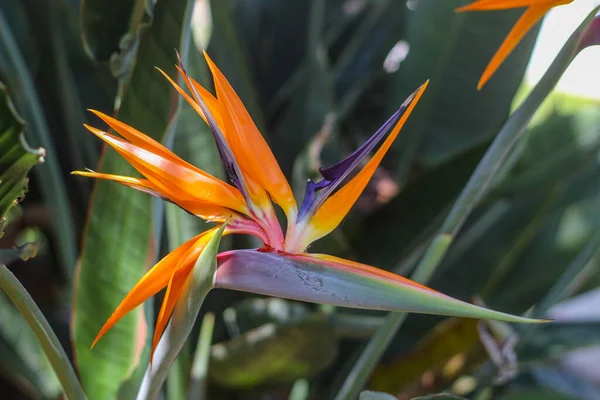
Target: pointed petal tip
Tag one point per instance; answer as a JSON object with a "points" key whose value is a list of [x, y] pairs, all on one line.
{"points": [[95, 131]]}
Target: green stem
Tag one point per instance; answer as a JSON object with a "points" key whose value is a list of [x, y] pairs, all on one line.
{"points": [[42, 330], [176, 381], [361, 371], [199, 374]]}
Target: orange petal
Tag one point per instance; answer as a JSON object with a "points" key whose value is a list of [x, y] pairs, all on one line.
{"points": [[176, 181], [139, 139], [487, 5], [335, 208], [151, 283], [249, 146], [224, 124], [181, 260], [535, 11], [207, 97], [206, 211], [176, 284], [523, 25], [143, 185]]}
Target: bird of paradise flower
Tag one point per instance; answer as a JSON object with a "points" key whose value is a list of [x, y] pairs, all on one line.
{"points": [[282, 267], [534, 11]]}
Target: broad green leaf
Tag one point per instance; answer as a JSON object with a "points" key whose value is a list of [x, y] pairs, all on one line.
{"points": [[274, 342], [535, 394], [253, 313], [81, 145], [15, 13], [312, 104], [453, 116], [110, 27], [534, 246], [418, 209], [453, 338], [24, 252], [300, 390], [566, 382], [19, 340], [43, 332], [441, 396], [226, 50], [196, 287], [15, 74], [117, 248]]}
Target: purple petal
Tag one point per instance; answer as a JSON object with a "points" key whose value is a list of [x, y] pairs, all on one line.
{"points": [[338, 282], [335, 175]]}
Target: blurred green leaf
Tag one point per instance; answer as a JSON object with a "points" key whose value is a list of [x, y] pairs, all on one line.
{"points": [[274, 354], [453, 116], [117, 247], [15, 73], [22, 358], [441, 396], [305, 115], [16, 159], [21, 355], [110, 27], [552, 341]]}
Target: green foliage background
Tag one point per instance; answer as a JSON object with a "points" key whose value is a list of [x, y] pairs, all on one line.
{"points": [[306, 70]]}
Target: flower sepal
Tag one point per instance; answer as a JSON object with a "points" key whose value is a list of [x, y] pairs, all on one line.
{"points": [[324, 279]]}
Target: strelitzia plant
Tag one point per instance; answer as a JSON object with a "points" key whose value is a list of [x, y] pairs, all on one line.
{"points": [[535, 10], [282, 267]]}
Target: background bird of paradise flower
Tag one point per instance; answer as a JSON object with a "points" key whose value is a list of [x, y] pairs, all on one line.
{"points": [[311, 74]]}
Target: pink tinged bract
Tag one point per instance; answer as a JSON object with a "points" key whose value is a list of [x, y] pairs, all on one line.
{"points": [[330, 280]]}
